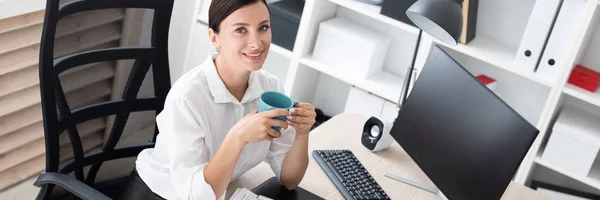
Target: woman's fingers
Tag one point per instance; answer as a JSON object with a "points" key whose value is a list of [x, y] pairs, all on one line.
{"points": [[305, 105], [302, 112], [273, 133], [276, 112], [277, 122], [267, 137], [300, 119], [252, 112]]}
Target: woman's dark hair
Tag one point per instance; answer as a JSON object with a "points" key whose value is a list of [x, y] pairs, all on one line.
{"points": [[220, 9]]}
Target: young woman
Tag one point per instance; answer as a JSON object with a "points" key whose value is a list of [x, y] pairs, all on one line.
{"points": [[210, 131]]}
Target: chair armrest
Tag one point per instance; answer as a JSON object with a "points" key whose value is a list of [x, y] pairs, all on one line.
{"points": [[71, 184]]}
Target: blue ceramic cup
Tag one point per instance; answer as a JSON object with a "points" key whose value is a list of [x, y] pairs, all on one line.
{"points": [[272, 100]]}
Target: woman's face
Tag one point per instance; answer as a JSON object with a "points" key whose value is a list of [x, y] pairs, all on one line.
{"points": [[245, 37]]}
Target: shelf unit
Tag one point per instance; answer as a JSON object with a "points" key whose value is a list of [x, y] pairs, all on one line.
{"points": [[592, 182], [373, 12], [583, 48], [379, 84], [498, 44], [584, 95]]}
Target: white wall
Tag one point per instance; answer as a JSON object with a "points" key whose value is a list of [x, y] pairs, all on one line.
{"points": [[11, 8], [179, 35]]}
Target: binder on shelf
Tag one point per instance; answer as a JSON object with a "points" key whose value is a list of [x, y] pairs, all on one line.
{"points": [[469, 9], [554, 55], [534, 38]]}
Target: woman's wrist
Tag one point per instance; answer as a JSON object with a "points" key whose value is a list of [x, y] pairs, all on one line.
{"points": [[234, 140], [302, 136]]}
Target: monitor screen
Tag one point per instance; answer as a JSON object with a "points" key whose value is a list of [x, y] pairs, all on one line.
{"points": [[468, 141]]}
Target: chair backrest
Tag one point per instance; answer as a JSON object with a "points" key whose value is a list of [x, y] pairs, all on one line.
{"points": [[103, 72]]}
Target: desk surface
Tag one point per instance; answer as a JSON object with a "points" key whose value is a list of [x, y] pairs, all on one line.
{"points": [[343, 132]]}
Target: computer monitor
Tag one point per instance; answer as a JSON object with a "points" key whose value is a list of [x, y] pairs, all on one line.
{"points": [[466, 139]]}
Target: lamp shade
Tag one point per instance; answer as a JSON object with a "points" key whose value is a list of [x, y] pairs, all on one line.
{"points": [[441, 19]]}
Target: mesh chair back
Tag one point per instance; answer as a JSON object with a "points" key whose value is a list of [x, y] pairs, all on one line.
{"points": [[104, 75]]}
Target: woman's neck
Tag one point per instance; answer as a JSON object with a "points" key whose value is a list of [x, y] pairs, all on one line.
{"points": [[234, 78]]}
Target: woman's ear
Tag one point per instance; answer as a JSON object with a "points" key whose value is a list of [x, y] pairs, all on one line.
{"points": [[212, 35]]}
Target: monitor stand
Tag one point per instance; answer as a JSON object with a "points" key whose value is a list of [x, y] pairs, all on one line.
{"points": [[417, 185]]}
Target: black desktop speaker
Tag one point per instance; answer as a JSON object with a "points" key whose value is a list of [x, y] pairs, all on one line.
{"points": [[376, 134], [396, 9]]}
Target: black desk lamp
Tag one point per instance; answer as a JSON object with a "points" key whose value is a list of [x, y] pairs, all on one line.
{"points": [[442, 19]]}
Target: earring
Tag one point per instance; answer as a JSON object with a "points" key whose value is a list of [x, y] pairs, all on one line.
{"points": [[217, 52]]}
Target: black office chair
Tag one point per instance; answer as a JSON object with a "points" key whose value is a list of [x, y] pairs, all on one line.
{"points": [[104, 75]]}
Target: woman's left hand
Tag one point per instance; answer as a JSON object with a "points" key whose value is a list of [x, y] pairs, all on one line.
{"points": [[302, 118]]}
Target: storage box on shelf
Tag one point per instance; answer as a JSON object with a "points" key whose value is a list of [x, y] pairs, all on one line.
{"points": [[576, 132], [347, 46], [584, 78], [571, 147], [397, 10], [384, 81], [487, 81], [285, 19]]}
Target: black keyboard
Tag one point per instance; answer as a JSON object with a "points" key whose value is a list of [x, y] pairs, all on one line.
{"points": [[348, 174]]}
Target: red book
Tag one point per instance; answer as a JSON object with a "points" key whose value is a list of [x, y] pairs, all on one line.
{"points": [[585, 78], [485, 79]]}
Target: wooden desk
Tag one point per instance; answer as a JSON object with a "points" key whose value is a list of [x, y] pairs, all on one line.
{"points": [[343, 132]]}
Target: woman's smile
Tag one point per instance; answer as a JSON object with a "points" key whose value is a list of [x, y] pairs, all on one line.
{"points": [[254, 56]]}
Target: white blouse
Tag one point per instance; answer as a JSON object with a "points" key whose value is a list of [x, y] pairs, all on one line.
{"points": [[198, 113]]}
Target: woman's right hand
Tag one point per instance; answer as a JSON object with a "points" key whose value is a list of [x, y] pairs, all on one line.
{"points": [[256, 127]]}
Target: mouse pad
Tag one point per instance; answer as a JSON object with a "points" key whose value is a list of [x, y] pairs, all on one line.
{"points": [[273, 189]]}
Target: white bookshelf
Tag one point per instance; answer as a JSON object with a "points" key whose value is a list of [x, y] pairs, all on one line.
{"points": [[583, 48], [584, 95], [497, 54], [501, 27], [278, 62], [202, 18], [589, 181], [280, 50], [373, 12], [383, 84]]}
